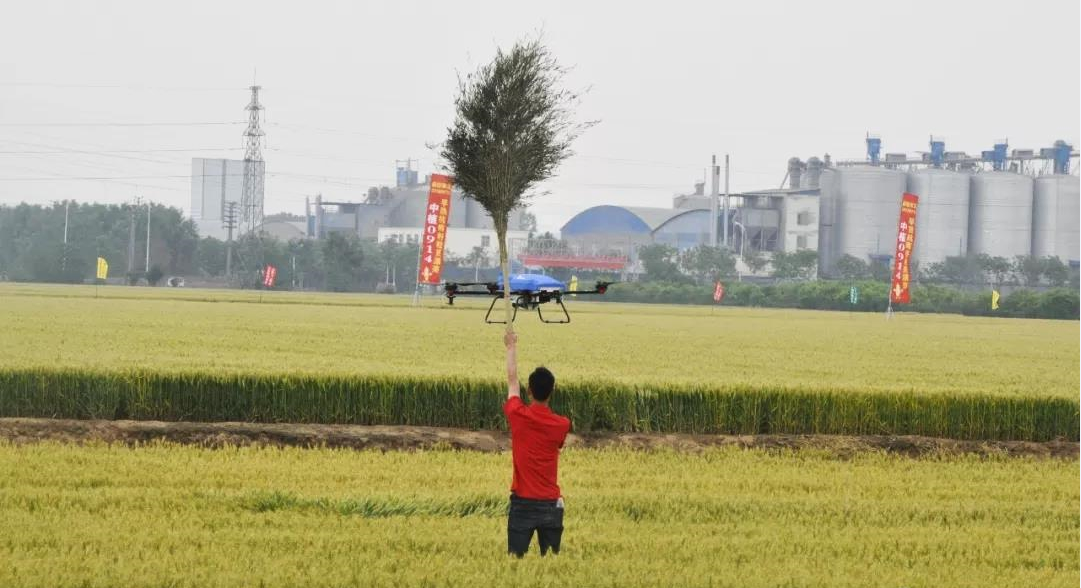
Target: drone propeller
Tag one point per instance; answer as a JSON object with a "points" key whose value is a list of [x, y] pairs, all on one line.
{"points": [[600, 288]]}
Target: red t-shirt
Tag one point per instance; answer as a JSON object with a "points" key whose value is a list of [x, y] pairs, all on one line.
{"points": [[536, 435]]}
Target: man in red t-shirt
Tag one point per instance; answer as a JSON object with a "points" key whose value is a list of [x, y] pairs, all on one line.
{"points": [[537, 434]]}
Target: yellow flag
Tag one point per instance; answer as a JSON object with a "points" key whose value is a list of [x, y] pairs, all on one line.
{"points": [[574, 285], [103, 268], [994, 299]]}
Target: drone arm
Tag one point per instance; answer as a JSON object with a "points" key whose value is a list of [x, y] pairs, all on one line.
{"points": [[602, 288]]}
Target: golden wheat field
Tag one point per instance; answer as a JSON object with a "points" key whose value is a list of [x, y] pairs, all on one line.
{"points": [[344, 334], [164, 515]]}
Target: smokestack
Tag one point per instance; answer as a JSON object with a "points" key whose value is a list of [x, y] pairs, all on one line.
{"points": [[814, 172], [795, 170], [700, 188]]}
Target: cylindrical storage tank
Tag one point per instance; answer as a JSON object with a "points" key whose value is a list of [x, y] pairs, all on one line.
{"points": [[827, 197], [942, 214], [476, 216], [867, 206], [1056, 214], [812, 178], [1000, 215], [459, 208], [411, 210], [795, 169]]}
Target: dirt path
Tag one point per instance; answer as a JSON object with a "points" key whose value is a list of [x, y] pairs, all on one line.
{"points": [[21, 430]]}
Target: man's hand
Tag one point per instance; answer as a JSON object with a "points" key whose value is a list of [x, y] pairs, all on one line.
{"points": [[510, 339]]}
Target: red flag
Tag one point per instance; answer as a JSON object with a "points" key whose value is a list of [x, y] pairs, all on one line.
{"points": [[269, 274], [434, 233], [906, 240], [718, 292]]}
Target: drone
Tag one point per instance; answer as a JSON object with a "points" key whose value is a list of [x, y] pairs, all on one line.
{"points": [[529, 291]]}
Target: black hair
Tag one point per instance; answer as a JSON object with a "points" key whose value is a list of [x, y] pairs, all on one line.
{"points": [[541, 383]]}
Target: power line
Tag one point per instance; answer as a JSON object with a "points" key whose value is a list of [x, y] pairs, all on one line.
{"points": [[63, 177], [111, 151], [118, 87], [139, 124]]}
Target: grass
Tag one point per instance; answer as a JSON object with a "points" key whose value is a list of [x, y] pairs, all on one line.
{"points": [[170, 354], [174, 330], [164, 515], [451, 402]]}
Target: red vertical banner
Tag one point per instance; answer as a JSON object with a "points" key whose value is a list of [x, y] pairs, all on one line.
{"points": [[718, 292], [269, 274], [434, 234], [906, 240]]}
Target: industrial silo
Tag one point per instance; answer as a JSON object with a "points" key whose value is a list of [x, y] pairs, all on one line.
{"points": [[459, 209], [476, 217], [813, 177], [867, 206], [410, 208], [942, 215], [827, 185], [1000, 214], [1056, 211]]}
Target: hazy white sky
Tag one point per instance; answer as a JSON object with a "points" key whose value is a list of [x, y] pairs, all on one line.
{"points": [[352, 86]]}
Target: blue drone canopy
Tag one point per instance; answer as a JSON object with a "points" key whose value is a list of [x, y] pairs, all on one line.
{"points": [[532, 283]]}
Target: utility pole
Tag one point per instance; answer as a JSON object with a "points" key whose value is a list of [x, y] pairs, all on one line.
{"points": [[726, 200], [64, 259], [131, 235], [230, 224], [713, 203], [147, 270]]}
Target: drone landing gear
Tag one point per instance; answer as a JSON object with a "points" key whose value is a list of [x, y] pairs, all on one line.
{"points": [[566, 315], [524, 302], [487, 317]]}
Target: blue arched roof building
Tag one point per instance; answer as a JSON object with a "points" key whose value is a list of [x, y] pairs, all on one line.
{"points": [[634, 225]]}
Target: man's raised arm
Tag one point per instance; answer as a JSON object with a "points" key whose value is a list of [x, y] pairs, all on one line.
{"points": [[513, 387]]}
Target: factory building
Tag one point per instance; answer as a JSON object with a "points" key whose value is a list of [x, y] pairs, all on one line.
{"points": [[769, 220], [1001, 203], [998, 204], [214, 183], [398, 214]]}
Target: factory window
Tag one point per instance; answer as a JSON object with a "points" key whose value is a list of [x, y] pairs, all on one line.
{"points": [[804, 218], [485, 240], [801, 242]]}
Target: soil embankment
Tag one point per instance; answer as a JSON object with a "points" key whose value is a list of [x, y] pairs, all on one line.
{"points": [[385, 438]]}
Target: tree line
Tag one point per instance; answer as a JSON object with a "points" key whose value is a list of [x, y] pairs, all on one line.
{"points": [[33, 249]]}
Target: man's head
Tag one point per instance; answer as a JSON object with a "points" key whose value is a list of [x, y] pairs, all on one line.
{"points": [[541, 384]]}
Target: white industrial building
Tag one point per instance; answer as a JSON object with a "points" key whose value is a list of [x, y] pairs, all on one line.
{"points": [[460, 240], [214, 182]]}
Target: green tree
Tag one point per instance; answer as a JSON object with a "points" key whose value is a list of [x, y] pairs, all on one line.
{"points": [[798, 265], [755, 261], [210, 257], [154, 275], [1056, 272], [528, 223], [513, 127], [708, 264], [998, 268], [343, 259], [476, 258], [1029, 269], [850, 267], [959, 269], [660, 263]]}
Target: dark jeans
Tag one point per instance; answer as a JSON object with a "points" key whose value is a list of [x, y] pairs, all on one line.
{"points": [[525, 516]]}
